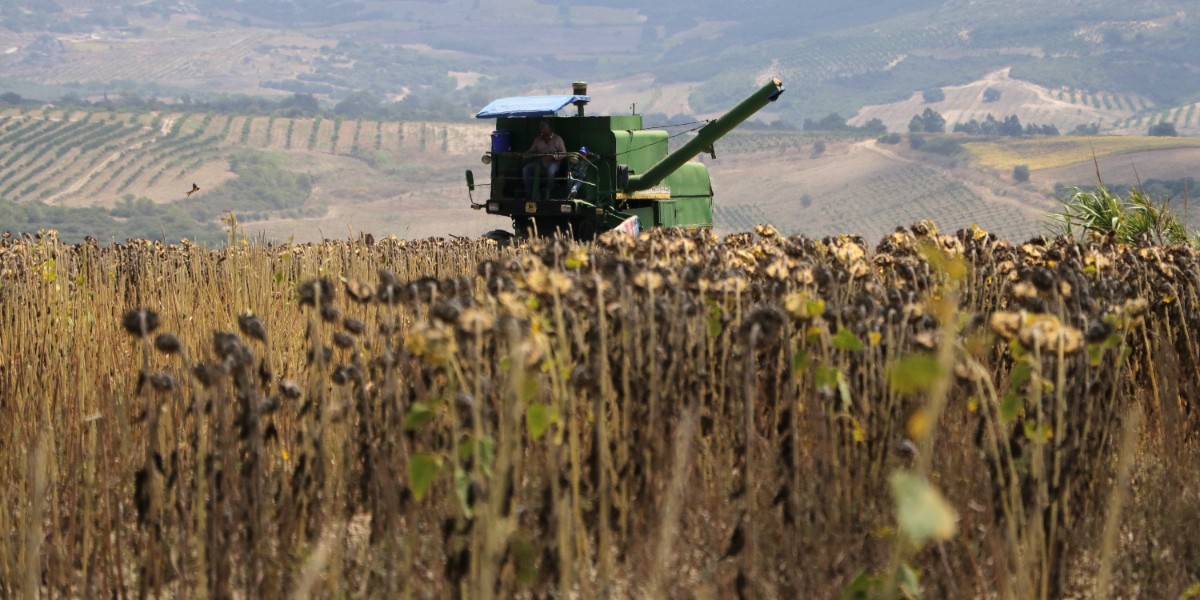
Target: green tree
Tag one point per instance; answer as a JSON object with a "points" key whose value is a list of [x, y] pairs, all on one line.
{"points": [[1163, 130], [830, 122], [929, 121], [874, 126], [358, 105]]}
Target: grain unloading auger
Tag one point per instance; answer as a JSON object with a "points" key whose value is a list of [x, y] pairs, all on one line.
{"points": [[625, 172]]}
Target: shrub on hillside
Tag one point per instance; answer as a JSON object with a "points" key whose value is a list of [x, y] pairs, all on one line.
{"points": [[1163, 130]]}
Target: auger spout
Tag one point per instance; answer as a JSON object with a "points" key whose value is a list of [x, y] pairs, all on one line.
{"points": [[706, 136]]}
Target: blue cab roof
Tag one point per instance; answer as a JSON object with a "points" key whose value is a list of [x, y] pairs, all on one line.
{"points": [[527, 106]]}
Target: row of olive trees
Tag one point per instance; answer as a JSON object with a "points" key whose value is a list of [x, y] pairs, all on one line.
{"points": [[931, 121]]}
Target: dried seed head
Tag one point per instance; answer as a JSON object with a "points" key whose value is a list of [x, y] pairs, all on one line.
{"points": [[388, 293], [207, 375], [140, 322], [326, 355], [1042, 278], [344, 374], [231, 349], [316, 290], [583, 377], [342, 339], [769, 320], [269, 405], [425, 289], [162, 382], [252, 326], [385, 360], [444, 312], [475, 320], [358, 290], [330, 313], [167, 343], [353, 325], [290, 389], [1098, 331]]}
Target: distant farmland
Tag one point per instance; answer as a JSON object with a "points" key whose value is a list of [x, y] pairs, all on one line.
{"points": [[1053, 152], [89, 158]]}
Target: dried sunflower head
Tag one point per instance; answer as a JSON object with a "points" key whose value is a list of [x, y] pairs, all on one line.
{"points": [[252, 326], [167, 343], [1047, 333], [140, 322], [316, 291], [1006, 324], [359, 291]]}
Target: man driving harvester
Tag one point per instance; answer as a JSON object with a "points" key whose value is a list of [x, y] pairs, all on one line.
{"points": [[547, 150]]}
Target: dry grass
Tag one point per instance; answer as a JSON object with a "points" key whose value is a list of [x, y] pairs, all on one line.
{"points": [[710, 417], [1053, 152]]}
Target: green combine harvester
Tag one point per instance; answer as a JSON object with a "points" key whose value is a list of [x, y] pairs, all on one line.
{"points": [[613, 174]]}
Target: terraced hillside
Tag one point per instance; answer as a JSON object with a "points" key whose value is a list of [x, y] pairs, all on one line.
{"points": [[88, 158], [1125, 61], [860, 186], [405, 178], [1000, 95]]}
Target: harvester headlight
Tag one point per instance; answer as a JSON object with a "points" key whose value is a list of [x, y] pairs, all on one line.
{"points": [[493, 207], [567, 208], [486, 159]]}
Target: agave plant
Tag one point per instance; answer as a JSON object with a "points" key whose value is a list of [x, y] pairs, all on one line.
{"points": [[1133, 218]]}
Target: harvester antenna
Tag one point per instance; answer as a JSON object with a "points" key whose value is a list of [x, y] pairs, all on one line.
{"points": [[670, 125], [674, 135]]}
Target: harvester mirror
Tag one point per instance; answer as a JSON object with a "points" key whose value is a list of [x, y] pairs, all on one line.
{"points": [[470, 180]]}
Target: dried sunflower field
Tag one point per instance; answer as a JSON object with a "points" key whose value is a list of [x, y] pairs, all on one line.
{"points": [[760, 416]]}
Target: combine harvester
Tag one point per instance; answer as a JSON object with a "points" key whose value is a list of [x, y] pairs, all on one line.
{"points": [[614, 174]]}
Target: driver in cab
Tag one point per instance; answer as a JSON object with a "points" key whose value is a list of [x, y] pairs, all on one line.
{"points": [[547, 151]]}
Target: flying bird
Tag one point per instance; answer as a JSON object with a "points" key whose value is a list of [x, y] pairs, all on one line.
{"points": [[195, 188]]}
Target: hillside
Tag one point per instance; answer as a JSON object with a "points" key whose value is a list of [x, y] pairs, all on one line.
{"points": [[301, 177], [149, 98], [307, 179], [670, 57]]}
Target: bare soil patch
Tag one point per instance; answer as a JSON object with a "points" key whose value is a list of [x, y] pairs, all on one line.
{"points": [[1030, 102], [1125, 168]]}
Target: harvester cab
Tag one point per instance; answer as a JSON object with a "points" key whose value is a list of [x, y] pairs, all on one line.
{"points": [[614, 173]]}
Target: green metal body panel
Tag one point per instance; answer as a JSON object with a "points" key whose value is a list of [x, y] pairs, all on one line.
{"points": [[630, 173]]}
